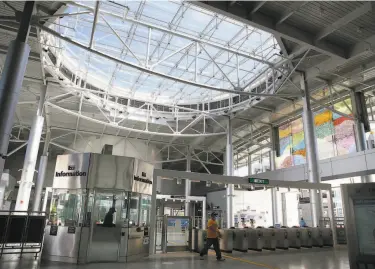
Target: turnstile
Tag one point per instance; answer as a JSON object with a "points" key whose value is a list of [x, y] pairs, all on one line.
{"points": [[327, 237], [194, 240], [226, 240], [240, 242], [201, 240], [294, 237], [306, 237], [255, 239], [317, 237], [281, 236], [269, 238]]}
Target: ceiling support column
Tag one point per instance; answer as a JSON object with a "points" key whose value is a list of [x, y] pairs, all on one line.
{"points": [[229, 172], [360, 116], [187, 182], [43, 161], [31, 156], [272, 157], [249, 166], [311, 152], [12, 78]]}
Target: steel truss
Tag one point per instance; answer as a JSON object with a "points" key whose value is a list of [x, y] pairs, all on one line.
{"points": [[201, 156], [234, 84], [181, 120]]}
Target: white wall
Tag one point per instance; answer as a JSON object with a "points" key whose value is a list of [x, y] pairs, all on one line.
{"points": [[254, 203], [217, 198]]}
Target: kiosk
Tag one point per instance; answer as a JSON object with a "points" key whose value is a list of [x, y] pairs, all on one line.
{"points": [[359, 206], [100, 209]]}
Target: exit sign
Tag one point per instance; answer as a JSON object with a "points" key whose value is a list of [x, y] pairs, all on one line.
{"points": [[253, 180]]}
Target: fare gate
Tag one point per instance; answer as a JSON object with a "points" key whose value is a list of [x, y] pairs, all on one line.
{"points": [[175, 233]]}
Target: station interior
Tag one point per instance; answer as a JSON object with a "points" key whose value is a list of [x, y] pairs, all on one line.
{"points": [[130, 128]]}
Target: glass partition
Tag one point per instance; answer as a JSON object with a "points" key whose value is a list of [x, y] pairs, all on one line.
{"points": [[134, 209], [145, 210], [67, 207]]}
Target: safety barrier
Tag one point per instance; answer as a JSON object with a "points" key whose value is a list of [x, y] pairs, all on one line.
{"points": [[21, 232]]}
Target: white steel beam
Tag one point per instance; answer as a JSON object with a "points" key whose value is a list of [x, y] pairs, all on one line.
{"points": [[163, 173], [96, 14], [63, 147], [179, 34], [113, 125]]}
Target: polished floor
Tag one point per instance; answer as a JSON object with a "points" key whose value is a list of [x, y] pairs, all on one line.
{"points": [[326, 258]]}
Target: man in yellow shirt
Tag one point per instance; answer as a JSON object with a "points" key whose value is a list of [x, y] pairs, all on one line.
{"points": [[212, 238]]}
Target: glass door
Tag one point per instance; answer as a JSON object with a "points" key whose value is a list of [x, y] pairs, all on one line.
{"points": [[106, 221]]}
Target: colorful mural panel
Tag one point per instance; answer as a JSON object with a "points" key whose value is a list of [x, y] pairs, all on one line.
{"points": [[334, 133]]}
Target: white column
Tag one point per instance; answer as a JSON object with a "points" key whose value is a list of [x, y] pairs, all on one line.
{"points": [[43, 161], [28, 170], [187, 182], [272, 168], [229, 171], [311, 152], [249, 167], [153, 217]]}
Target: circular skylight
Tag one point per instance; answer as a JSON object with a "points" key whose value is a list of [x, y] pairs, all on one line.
{"points": [[166, 52]]}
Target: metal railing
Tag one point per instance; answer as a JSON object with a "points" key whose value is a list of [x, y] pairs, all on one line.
{"points": [[21, 232]]}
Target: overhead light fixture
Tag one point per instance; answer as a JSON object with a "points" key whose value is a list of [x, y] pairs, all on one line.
{"points": [[208, 183]]}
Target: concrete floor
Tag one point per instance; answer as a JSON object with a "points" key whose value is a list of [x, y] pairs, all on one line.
{"points": [[326, 258]]}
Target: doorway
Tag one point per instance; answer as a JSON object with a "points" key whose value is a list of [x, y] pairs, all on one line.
{"points": [[108, 215]]}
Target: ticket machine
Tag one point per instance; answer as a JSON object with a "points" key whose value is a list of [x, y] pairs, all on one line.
{"points": [[100, 209], [359, 206]]}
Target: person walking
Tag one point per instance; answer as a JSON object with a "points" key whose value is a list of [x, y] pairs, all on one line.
{"points": [[302, 223], [212, 238]]}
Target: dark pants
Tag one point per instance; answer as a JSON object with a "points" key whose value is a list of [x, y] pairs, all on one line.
{"points": [[209, 243]]}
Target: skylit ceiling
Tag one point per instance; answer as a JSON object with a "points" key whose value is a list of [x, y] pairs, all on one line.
{"points": [[191, 51]]}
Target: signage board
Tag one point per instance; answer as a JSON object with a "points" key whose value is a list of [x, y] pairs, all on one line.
{"points": [[253, 180], [71, 171], [143, 177], [71, 230]]}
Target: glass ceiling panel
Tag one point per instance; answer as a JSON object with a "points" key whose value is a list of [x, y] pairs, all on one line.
{"points": [[168, 53]]}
